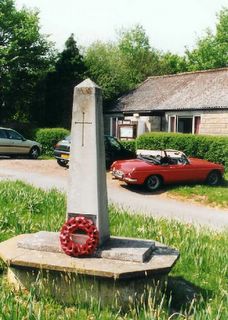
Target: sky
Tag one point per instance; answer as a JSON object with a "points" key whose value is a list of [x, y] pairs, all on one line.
{"points": [[171, 25]]}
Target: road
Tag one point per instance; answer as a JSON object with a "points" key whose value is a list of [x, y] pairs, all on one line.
{"points": [[47, 174]]}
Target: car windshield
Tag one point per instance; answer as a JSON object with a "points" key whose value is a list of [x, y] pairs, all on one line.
{"points": [[149, 158], [68, 138], [176, 159], [113, 142]]}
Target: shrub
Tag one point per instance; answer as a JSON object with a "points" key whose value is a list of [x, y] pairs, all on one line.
{"points": [[212, 148], [48, 137], [129, 144]]}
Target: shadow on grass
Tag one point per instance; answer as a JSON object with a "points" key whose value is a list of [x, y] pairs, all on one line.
{"points": [[183, 292], [167, 188], [140, 189]]}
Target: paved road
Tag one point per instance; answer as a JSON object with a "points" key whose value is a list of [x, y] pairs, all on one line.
{"points": [[47, 174]]}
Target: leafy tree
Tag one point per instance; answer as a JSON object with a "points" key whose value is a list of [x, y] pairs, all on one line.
{"points": [[139, 59], [69, 71], [212, 50], [106, 69], [170, 63], [24, 60], [121, 65]]}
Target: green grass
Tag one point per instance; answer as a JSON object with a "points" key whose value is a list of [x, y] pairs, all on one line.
{"points": [[213, 196], [197, 287]]}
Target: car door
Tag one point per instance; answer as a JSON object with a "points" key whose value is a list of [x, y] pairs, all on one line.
{"points": [[4, 142], [16, 143], [180, 170]]}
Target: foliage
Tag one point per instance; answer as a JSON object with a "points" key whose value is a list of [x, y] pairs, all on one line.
{"points": [[197, 286], [212, 50], [105, 68], [212, 148], [69, 71], [138, 58], [119, 66], [48, 137], [25, 57], [129, 145], [170, 63]]}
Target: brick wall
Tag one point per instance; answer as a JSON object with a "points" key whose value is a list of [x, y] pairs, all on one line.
{"points": [[214, 122]]}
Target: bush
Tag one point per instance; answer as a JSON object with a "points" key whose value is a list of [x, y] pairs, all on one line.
{"points": [[48, 137], [129, 145], [212, 148]]}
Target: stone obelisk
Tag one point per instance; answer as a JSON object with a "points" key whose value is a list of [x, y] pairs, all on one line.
{"points": [[87, 191]]}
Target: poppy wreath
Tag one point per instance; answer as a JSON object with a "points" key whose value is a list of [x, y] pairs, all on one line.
{"points": [[73, 248]]}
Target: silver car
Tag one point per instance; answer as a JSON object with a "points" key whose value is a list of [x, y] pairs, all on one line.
{"points": [[13, 143]]}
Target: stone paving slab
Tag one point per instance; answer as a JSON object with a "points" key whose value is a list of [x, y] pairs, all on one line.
{"points": [[116, 248], [41, 241], [162, 260], [127, 249]]}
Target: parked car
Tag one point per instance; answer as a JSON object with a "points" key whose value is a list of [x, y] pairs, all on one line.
{"points": [[160, 167], [113, 150], [13, 143]]}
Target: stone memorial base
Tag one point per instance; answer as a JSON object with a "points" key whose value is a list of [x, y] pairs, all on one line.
{"points": [[121, 273]]}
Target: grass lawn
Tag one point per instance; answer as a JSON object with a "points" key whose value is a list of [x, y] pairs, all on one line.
{"points": [[213, 196], [197, 287]]}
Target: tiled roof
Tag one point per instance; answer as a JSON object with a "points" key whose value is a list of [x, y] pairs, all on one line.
{"points": [[192, 90]]}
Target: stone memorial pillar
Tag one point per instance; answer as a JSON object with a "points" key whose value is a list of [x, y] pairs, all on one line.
{"points": [[87, 191], [122, 271]]}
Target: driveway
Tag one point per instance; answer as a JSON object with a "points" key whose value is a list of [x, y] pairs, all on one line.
{"points": [[46, 174]]}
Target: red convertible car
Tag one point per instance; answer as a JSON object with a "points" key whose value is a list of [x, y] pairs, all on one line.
{"points": [[155, 168]]}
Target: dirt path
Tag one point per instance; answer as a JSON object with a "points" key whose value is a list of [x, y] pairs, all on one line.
{"points": [[48, 174]]}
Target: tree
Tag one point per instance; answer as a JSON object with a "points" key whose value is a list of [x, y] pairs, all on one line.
{"points": [[139, 59], [106, 68], [119, 66], [25, 57], [170, 63], [212, 50], [69, 71]]}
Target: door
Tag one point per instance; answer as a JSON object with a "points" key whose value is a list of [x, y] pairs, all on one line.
{"points": [[4, 142], [182, 171], [185, 124], [16, 143]]}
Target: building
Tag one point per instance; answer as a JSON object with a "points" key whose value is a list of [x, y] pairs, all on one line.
{"points": [[192, 102]]}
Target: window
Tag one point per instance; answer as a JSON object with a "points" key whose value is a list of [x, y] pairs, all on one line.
{"points": [[184, 125], [3, 134], [14, 135], [112, 142]]}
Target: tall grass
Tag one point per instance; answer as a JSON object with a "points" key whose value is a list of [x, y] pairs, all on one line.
{"points": [[196, 289]]}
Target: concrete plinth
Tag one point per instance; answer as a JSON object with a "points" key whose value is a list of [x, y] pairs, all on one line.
{"points": [[68, 279], [70, 287]]}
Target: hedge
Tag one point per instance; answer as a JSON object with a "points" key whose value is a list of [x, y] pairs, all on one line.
{"points": [[48, 137], [212, 148], [129, 144]]}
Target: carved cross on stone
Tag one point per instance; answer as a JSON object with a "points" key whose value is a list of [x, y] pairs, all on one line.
{"points": [[83, 122]]}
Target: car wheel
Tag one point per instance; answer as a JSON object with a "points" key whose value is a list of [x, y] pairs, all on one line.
{"points": [[214, 178], [153, 183], [63, 163], [34, 153]]}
